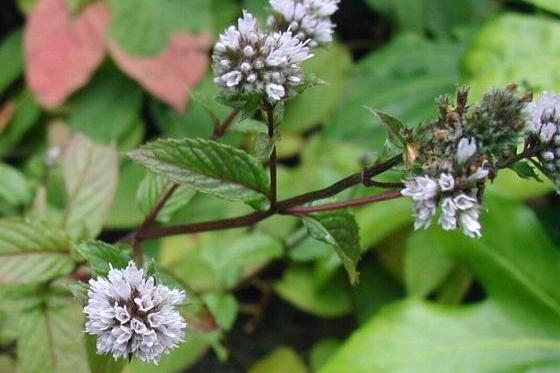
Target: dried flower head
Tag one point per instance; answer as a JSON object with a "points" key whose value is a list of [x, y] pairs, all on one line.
{"points": [[248, 60], [132, 315], [306, 19]]}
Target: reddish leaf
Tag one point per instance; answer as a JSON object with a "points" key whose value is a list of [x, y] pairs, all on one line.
{"points": [[62, 52], [7, 111], [170, 74]]}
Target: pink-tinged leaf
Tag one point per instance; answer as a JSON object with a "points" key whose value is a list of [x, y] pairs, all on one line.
{"points": [[61, 52], [173, 72]]}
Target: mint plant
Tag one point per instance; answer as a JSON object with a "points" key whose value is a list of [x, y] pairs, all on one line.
{"points": [[203, 212]]}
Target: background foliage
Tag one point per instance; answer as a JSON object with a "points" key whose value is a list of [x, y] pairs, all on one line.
{"points": [[83, 81]]}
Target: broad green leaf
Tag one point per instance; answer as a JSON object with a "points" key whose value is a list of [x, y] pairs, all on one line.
{"points": [[415, 336], [509, 49], [31, 252], [425, 268], [107, 107], [281, 360], [338, 229], [26, 115], [11, 59], [514, 260], [393, 125], [143, 27], [51, 339], [315, 105], [14, 188], [224, 307], [125, 212], [299, 287], [153, 188], [525, 171], [102, 256], [550, 5], [207, 166], [101, 363], [321, 352], [90, 176], [401, 80], [509, 184]]}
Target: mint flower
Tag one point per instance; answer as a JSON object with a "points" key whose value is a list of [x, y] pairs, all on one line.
{"points": [[247, 60], [308, 20], [132, 315]]}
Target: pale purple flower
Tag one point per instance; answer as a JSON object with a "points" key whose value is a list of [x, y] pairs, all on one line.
{"points": [[423, 212], [248, 60], [308, 20], [446, 182], [544, 115], [469, 219], [420, 188], [465, 149], [132, 315], [448, 218]]}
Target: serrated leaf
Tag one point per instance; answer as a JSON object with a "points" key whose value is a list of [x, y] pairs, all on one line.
{"points": [[101, 256], [207, 166], [153, 188], [14, 188], [90, 176], [339, 229], [51, 339], [31, 252], [525, 171], [393, 125]]}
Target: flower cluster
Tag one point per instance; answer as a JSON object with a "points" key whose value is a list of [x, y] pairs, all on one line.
{"points": [[132, 315], [248, 60], [544, 131], [308, 20]]}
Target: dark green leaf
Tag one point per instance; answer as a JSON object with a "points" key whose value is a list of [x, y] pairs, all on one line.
{"points": [[31, 252], [143, 27], [153, 188], [125, 212], [393, 125], [101, 256], [207, 166], [26, 115], [525, 171], [224, 307], [90, 176], [51, 339], [339, 229], [101, 363], [107, 107], [11, 59]]}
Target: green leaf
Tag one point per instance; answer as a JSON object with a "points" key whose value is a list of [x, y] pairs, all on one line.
{"points": [[282, 359], [207, 166], [102, 256], [299, 287], [26, 115], [401, 80], [143, 27], [14, 188], [514, 260], [425, 268], [153, 188], [224, 307], [125, 212], [525, 171], [11, 59], [107, 107], [90, 176], [509, 49], [51, 339], [31, 252], [339, 229], [316, 105], [550, 5], [101, 363], [393, 125], [415, 336]]}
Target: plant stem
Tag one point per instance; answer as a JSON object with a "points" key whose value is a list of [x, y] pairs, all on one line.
{"points": [[344, 204], [221, 129], [272, 164], [282, 207]]}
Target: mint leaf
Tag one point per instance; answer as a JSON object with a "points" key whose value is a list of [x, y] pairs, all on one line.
{"points": [[31, 252], [101, 256], [207, 166], [340, 230]]}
